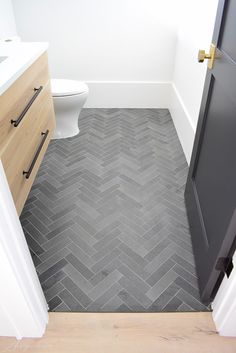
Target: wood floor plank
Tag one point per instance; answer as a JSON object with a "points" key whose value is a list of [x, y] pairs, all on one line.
{"points": [[125, 333]]}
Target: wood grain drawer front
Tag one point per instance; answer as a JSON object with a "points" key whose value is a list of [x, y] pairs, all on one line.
{"points": [[14, 101], [25, 152]]}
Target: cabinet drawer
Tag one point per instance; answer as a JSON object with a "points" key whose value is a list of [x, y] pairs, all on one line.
{"points": [[18, 96], [25, 151]]}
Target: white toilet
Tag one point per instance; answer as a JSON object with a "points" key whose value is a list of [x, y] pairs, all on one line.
{"points": [[69, 97]]}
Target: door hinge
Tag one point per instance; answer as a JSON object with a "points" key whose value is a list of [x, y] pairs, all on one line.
{"points": [[225, 265]]}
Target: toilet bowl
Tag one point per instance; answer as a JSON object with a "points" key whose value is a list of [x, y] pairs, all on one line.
{"points": [[69, 97]]}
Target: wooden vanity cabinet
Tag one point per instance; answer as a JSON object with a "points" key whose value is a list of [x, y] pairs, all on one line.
{"points": [[27, 122]]}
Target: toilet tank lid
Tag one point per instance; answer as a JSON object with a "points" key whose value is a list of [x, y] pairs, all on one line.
{"points": [[62, 87]]}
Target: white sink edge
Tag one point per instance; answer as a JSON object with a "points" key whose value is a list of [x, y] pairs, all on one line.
{"points": [[19, 57]]}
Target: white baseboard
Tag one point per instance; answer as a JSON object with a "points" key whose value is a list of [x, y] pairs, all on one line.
{"points": [[182, 121], [128, 94], [140, 94]]}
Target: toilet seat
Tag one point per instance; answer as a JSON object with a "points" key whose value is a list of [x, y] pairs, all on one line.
{"points": [[62, 88]]}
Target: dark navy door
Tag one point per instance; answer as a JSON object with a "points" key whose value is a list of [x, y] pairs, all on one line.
{"points": [[210, 193]]}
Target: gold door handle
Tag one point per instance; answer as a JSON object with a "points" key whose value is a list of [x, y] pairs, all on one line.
{"points": [[211, 56]]}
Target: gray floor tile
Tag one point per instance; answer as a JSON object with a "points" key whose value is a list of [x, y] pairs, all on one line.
{"points": [[54, 302], [70, 301], [164, 298], [51, 281], [137, 293], [52, 270], [112, 305], [53, 291], [97, 304], [160, 272], [79, 266], [82, 298], [131, 302], [76, 277], [168, 278], [53, 260], [105, 283], [173, 305], [105, 220]]}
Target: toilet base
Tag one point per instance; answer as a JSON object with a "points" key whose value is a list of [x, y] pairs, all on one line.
{"points": [[64, 134]]}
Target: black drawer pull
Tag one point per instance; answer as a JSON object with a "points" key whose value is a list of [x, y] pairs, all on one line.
{"points": [[17, 121], [28, 172]]}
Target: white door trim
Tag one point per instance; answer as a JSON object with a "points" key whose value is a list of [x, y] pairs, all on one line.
{"points": [[23, 308], [224, 305]]}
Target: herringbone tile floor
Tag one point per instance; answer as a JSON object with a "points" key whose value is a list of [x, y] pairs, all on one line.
{"points": [[105, 220]]}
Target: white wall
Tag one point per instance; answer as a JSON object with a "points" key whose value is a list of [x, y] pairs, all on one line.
{"points": [[107, 43], [7, 20], [126, 51], [195, 32], [129, 52]]}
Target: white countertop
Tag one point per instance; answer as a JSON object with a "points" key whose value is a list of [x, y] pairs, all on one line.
{"points": [[19, 57]]}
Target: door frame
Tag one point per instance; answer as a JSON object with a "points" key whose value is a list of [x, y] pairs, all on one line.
{"points": [[224, 305], [23, 307]]}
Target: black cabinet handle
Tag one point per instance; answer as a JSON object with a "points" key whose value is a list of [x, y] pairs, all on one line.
{"points": [[17, 121], [28, 172]]}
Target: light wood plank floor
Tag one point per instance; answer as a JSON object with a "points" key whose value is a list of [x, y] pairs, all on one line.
{"points": [[126, 333]]}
